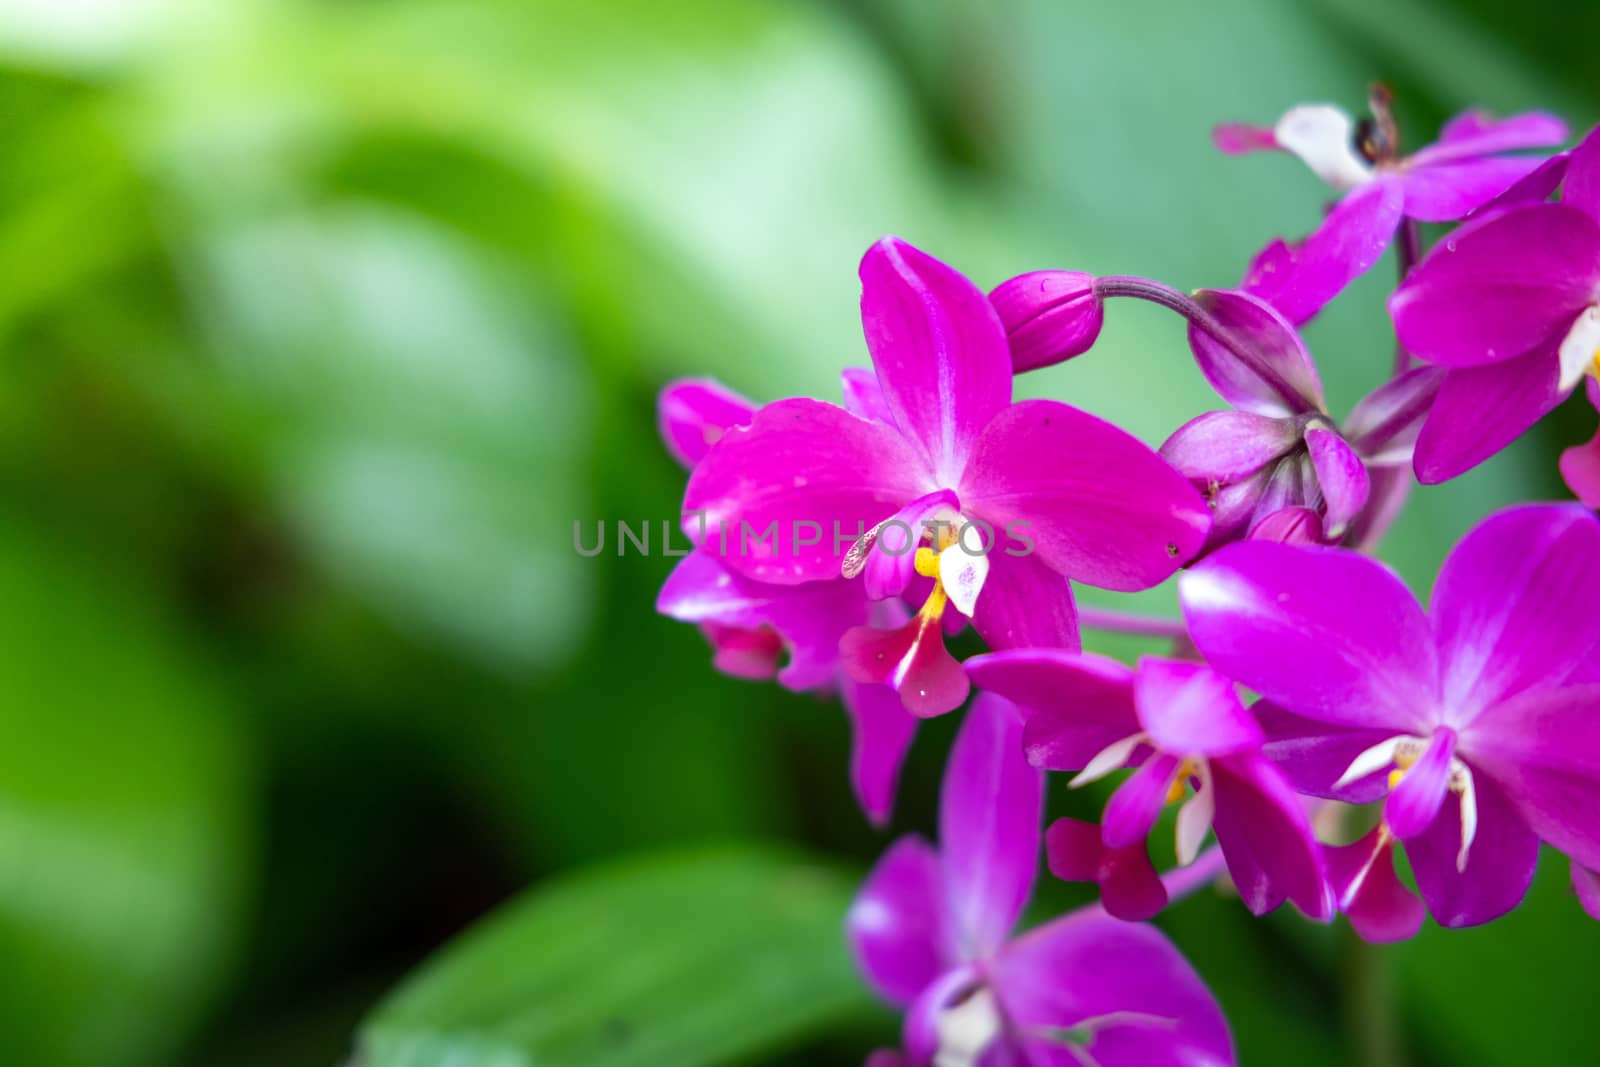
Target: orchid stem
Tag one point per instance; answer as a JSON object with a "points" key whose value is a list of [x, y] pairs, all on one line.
{"points": [[1408, 249], [1166, 296], [1181, 882], [1369, 998], [1128, 622]]}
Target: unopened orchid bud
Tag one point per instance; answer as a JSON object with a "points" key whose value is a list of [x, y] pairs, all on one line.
{"points": [[1049, 315]]}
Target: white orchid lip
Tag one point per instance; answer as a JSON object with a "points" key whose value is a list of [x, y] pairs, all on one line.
{"points": [[1324, 137], [1398, 755], [1580, 349], [1196, 814], [966, 1030], [1113, 757]]}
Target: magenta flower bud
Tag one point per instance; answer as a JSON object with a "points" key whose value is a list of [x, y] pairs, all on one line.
{"points": [[1291, 525], [1049, 315]]}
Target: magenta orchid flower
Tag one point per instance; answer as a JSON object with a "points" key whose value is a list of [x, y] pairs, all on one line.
{"points": [[753, 625], [1278, 466], [1049, 316], [1192, 741], [1510, 304], [1463, 719], [1441, 182], [1014, 499], [931, 929]]}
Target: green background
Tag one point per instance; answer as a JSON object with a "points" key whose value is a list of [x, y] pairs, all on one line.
{"points": [[321, 323]]}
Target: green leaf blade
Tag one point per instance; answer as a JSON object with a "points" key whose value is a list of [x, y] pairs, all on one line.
{"points": [[685, 959]]}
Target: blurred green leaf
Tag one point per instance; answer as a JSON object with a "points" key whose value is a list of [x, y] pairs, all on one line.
{"points": [[1518, 990], [122, 809], [418, 409], [680, 960]]}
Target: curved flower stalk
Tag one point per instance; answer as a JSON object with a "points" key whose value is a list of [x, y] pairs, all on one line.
{"points": [[1278, 466], [753, 625], [996, 504], [1182, 726], [1442, 182], [1510, 306], [1464, 720], [932, 930]]}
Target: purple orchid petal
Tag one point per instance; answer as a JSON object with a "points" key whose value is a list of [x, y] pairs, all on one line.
{"points": [[1325, 633], [1095, 503], [1313, 756], [1543, 749], [1133, 809], [1499, 286], [1075, 706], [1292, 484], [1290, 526], [1582, 188], [1580, 469], [694, 413], [1502, 605], [920, 1034], [1025, 604], [1130, 888], [1383, 426], [1342, 477], [881, 732], [1234, 508], [1586, 884], [1265, 837], [1275, 376], [1476, 133], [939, 350], [753, 655], [1124, 1046], [912, 660], [886, 556], [1268, 271], [1452, 191], [1362, 876], [1124, 983], [896, 925], [1536, 188], [808, 619], [835, 468], [1010, 1050], [862, 397], [1414, 803], [1300, 280], [1499, 866], [1239, 138], [989, 826], [1188, 709], [1481, 410], [1049, 316], [1224, 447]]}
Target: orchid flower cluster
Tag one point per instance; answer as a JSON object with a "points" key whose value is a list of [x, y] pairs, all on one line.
{"points": [[1311, 715]]}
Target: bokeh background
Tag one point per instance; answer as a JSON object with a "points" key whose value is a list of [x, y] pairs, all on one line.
{"points": [[322, 322]]}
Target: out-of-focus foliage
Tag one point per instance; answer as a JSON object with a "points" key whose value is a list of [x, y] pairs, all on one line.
{"points": [[677, 960], [321, 321]]}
